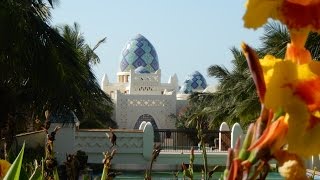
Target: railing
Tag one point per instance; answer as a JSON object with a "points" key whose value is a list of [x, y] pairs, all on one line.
{"points": [[172, 140]]}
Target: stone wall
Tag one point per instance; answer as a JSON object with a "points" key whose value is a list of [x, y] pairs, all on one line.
{"points": [[32, 139]]}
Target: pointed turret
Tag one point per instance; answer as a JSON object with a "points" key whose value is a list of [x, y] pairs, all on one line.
{"points": [[105, 81], [174, 81]]}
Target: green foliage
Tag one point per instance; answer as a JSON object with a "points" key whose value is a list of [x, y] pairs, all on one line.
{"points": [[274, 39], [33, 154], [41, 69], [15, 169], [155, 154], [37, 173], [188, 172], [276, 36], [235, 99], [104, 174], [96, 105], [30, 162], [55, 174]]}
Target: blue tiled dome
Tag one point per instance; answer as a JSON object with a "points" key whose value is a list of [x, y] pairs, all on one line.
{"points": [[194, 82], [139, 52], [141, 70]]}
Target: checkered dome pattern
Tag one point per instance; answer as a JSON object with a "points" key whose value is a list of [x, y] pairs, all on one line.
{"points": [[139, 52], [194, 82], [141, 70]]}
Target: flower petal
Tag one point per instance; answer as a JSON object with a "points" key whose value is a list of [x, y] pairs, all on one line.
{"points": [[4, 167], [256, 70], [298, 16], [258, 12], [274, 137], [304, 2]]}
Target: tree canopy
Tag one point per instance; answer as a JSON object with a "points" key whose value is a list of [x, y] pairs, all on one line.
{"points": [[235, 99], [40, 69]]}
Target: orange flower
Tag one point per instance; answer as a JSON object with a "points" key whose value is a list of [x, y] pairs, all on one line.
{"points": [[300, 16], [4, 167], [274, 136], [296, 14], [291, 166]]}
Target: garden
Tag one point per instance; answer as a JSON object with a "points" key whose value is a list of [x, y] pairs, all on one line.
{"points": [[272, 91]]}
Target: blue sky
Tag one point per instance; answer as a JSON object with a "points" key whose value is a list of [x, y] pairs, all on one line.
{"points": [[188, 35]]}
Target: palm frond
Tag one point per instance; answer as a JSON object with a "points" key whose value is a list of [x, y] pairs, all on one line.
{"points": [[219, 72], [275, 39]]}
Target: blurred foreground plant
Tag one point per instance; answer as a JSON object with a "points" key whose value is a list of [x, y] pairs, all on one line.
{"points": [[4, 167], [50, 162], [289, 92], [188, 171], [106, 174], [46, 170], [14, 171], [155, 154]]}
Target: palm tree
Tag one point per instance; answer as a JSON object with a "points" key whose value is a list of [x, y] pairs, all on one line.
{"points": [[96, 111], [35, 60], [27, 59], [276, 36], [236, 96], [234, 101], [39, 69], [275, 39], [76, 39]]}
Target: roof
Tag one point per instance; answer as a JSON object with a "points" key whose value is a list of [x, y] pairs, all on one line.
{"points": [[139, 52]]}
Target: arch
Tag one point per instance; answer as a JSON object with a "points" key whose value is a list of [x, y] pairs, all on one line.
{"points": [[146, 118]]}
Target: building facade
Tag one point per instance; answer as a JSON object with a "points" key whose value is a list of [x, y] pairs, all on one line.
{"points": [[139, 95]]}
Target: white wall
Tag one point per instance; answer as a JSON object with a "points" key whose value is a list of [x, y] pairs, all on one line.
{"points": [[130, 107]]}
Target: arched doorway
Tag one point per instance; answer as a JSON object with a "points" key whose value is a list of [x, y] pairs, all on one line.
{"points": [[146, 118]]}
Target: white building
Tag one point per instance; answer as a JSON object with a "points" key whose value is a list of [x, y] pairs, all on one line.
{"points": [[139, 95]]}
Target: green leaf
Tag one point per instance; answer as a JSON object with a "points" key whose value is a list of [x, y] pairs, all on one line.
{"points": [[14, 171], [104, 174], [188, 173], [55, 174], [42, 168], [86, 177], [37, 173]]}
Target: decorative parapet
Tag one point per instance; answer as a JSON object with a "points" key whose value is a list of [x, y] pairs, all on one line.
{"points": [[96, 141], [134, 147], [130, 144], [148, 141], [224, 137], [236, 132], [31, 139]]}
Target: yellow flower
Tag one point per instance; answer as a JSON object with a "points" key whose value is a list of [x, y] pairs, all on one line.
{"points": [[4, 167], [295, 88], [300, 16], [291, 166], [296, 14], [292, 84], [258, 12]]}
